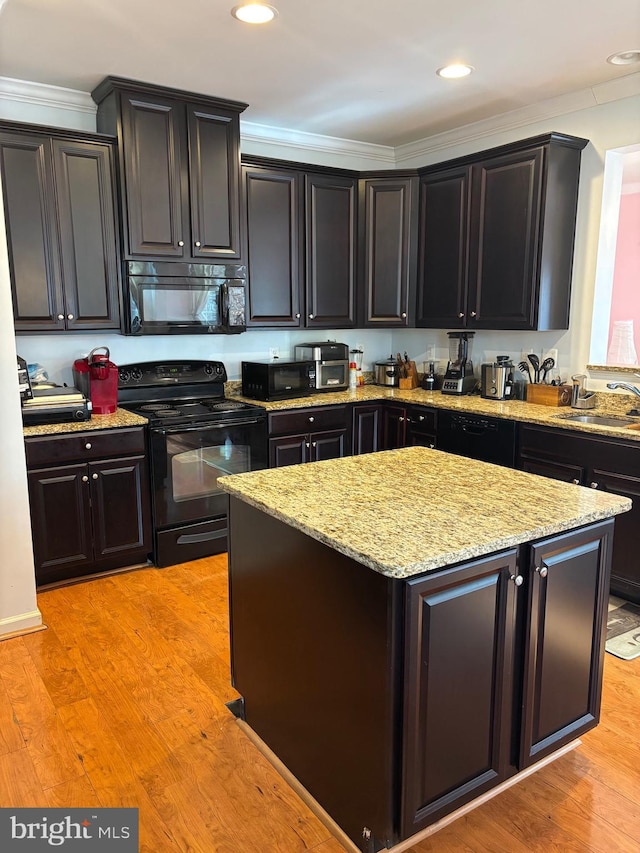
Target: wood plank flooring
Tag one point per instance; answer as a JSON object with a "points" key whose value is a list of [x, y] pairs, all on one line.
{"points": [[121, 702]]}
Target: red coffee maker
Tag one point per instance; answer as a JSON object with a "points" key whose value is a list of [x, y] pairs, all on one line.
{"points": [[97, 378]]}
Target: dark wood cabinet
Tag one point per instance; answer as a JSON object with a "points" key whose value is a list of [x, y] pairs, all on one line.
{"points": [[404, 426], [61, 229], [179, 170], [90, 504], [394, 426], [598, 462], [496, 237], [300, 245], [366, 428], [309, 435], [388, 223]]}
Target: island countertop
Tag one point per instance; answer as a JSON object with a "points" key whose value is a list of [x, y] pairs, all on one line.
{"points": [[408, 511]]}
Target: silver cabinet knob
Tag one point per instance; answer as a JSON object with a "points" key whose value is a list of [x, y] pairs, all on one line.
{"points": [[420, 417], [542, 570], [94, 476], [311, 419], [460, 316], [593, 485], [307, 445], [576, 481], [432, 446], [404, 315], [401, 419], [313, 443], [87, 446], [311, 316], [298, 316], [473, 314], [198, 244], [517, 579], [69, 316], [180, 242], [60, 316], [85, 479]]}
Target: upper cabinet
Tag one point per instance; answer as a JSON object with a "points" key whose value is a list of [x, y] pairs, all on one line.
{"points": [[179, 170], [496, 237], [59, 191], [388, 245], [300, 245]]}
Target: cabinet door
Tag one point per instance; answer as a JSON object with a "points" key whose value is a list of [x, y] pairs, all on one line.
{"points": [[504, 237], [366, 429], [288, 450], [32, 237], [329, 445], [564, 639], [85, 199], [60, 522], [394, 427], [330, 228], [120, 511], [443, 253], [273, 235], [156, 206], [389, 240], [459, 654], [214, 143]]}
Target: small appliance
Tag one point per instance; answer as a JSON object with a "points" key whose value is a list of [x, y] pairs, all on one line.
{"points": [[497, 379], [278, 379], [459, 377], [387, 372], [55, 405], [97, 377], [24, 383], [331, 363]]}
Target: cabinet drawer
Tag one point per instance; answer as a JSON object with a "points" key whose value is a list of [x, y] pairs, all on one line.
{"points": [[83, 446], [422, 420], [308, 420]]}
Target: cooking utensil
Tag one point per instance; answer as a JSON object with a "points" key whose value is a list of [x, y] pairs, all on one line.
{"points": [[524, 368], [547, 365], [535, 363]]}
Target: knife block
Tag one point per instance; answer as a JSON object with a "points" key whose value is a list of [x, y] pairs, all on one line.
{"points": [[549, 395], [411, 380]]}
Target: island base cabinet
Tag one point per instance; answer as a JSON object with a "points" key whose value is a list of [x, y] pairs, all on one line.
{"points": [[566, 616], [459, 646]]}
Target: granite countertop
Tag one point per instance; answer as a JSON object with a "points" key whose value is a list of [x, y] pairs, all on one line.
{"points": [[119, 419], [609, 404], [408, 511]]}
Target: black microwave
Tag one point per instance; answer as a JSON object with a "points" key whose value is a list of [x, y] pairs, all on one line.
{"points": [[176, 298], [278, 379]]}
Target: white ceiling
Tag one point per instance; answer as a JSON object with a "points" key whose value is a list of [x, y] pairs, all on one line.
{"points": [[353, 69]]}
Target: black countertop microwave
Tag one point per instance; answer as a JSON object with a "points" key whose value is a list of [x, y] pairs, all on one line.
{"points": [[277, 379], [171, 297]]}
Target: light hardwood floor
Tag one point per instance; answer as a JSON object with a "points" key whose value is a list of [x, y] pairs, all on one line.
{"points": [[121, 702]]}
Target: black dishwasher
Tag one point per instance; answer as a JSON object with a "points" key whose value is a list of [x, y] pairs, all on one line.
{"points": [[478, 436]]}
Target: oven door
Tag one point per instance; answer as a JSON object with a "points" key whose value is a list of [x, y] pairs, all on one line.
{"points": [[187, 461]]}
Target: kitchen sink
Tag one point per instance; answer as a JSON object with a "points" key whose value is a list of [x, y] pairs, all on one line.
{"points": [[599, 420]]}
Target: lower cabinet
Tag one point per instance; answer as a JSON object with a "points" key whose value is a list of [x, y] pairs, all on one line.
{"points": [[407, 426], [90, 504], [309, 435], [609, 464], [366, 428]]}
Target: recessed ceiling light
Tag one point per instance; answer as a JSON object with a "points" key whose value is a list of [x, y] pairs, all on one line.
{"points": [[625, 57], [455, 70], [254, 13]]}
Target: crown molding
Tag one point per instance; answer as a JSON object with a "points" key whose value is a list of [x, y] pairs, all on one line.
{"points": [[41, 94]]}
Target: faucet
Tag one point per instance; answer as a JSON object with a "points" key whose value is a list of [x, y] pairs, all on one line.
{"points": [[626, 385]]}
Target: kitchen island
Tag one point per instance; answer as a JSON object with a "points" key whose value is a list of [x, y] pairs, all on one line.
{"points": [[410, 629]]}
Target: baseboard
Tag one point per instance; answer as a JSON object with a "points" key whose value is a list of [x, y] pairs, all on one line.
{"points": [[24, 623]]}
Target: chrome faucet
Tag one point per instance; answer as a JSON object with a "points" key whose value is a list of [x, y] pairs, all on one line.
{"points": [[626, 385]]}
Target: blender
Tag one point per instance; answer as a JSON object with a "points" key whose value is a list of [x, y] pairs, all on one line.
{"points": [[459, 378]]}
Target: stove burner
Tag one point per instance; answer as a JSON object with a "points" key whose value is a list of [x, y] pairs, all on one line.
{"points": [[227, 405], [166, 412], [154, 407]]}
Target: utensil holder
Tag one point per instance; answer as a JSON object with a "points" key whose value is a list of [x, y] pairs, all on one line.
{"points": [[549, 395], [411, 379]]}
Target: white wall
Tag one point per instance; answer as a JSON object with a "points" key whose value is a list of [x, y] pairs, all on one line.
{"points": [[609, 124]]}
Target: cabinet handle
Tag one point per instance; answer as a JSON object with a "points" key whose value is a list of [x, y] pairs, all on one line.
{"points": [[85, 479], [298, 316], [60, 316], [401, 419], [94, 476], [311, 316], [307, 445], [473, 314], [460, 315], [404, 315], [198, 244], [313, 444], [311, 419], [180, 242], [593, 485], [542, 570], [87, 446], [432, 446], [420, 417], [517, 579], [576, 482], [69, 316]]}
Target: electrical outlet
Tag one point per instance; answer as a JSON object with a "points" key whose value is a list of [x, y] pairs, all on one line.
{"points": [[274, 352]]}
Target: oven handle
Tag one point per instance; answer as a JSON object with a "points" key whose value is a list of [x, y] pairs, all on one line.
{"points": [[192, 538], [218, 425]]}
